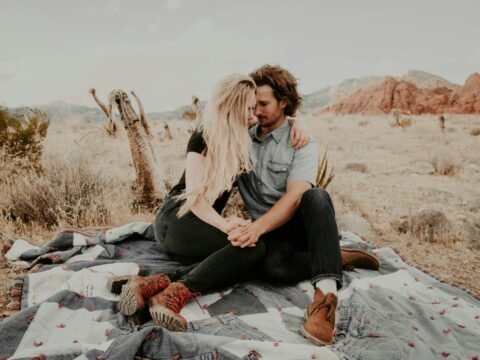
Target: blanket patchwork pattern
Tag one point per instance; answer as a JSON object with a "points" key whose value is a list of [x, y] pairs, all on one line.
{"points": [[67, 312]]}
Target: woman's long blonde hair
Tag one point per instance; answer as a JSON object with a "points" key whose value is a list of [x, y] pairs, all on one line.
{"points": [[224, 128]]}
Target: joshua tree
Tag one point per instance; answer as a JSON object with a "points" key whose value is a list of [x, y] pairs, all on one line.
{"points": [[406, 122], [441, 119], [396, 116], [196, 113], [167, 130], [152, 185], [111, 126], [143, 118]]}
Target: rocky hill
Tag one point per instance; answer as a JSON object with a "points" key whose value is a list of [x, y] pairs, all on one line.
{"points": [[328, 94], [406, 96]]}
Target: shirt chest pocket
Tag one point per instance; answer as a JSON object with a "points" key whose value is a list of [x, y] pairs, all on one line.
{"points": [[277, 175]]}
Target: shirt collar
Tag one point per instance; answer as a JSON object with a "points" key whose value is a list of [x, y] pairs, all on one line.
{"points": [[277, 134]]}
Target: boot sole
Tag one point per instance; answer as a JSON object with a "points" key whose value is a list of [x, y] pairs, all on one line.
{"points": [[140, 317], [128, 303], [313, 339], [166, 318], [115, 283], [370, 255]]}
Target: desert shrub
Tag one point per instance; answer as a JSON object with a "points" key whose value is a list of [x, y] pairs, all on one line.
{"points": [[431, 225], [445, 164], [325, 172], [359, 167], [69, 192], [21, 140], [475, 132]]}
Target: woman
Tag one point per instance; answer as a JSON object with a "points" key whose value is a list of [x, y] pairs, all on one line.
{"points": [[189, 227]]}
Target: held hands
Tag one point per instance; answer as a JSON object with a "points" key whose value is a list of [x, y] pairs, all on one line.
{"points": [[245, 235], [234, 222]]}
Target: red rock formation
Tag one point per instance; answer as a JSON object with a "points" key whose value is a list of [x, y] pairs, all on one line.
{"points": [[389, 94]]}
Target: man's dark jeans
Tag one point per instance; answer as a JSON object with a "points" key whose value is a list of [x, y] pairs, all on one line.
{"points": [[307, 246]]}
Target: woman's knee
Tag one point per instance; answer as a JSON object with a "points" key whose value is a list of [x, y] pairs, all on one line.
{"points": [[273, 271]]}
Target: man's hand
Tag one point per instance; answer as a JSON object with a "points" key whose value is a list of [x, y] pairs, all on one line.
{"points": [[298, 135], [245, 235]]}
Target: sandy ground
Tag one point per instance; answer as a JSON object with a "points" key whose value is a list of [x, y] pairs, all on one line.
{"points": [[383, 175]]}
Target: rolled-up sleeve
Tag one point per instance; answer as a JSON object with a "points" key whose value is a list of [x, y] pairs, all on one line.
{"points": [[304, 164]]}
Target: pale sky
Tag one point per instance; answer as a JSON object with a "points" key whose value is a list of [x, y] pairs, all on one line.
{"points": [[169, 50]]}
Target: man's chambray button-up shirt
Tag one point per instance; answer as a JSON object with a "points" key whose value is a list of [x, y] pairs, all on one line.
{"points": [[275, 163]]}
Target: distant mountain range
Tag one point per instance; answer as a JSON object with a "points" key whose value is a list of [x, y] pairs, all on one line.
{"points": [[332, 93], [410, 94], [59, 110]]}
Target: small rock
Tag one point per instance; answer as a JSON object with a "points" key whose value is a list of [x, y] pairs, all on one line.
{"points": [[469, 232], [473, 167], [422, 168], [356, 224], [474, 204], [441, 193]]}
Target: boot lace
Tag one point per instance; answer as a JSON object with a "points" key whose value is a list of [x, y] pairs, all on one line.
{"points": [[152, 287], [317, 305], [179, 298]]}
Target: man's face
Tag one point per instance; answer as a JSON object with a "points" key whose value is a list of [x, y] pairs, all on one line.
{"points": [[269, 111]]}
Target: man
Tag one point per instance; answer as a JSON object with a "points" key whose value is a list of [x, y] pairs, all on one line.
{"points": [[294, 219]]}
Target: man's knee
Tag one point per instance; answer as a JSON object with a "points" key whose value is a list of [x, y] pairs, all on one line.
{"points": [[316, 199]]}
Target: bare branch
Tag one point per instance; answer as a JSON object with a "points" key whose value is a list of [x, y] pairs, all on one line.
{"points": [[107, 111], [143, 118]]}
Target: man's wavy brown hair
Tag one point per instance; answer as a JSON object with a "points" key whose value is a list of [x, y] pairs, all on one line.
{"points": [[282, 82]]}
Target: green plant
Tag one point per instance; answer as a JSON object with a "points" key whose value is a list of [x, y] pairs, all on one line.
{"points": [[324, 175], [21, 139]]}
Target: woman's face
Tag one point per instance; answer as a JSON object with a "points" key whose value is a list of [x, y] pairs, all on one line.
{"points": [[251, 104]]}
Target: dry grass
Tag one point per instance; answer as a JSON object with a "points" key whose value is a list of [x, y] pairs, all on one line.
{"points": [[388, 191], [445, 163], [475, 132], [70, 191], [431, 226]]}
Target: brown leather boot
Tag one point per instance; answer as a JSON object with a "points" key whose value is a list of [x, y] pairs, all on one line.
{"points": [[353, 258], [165, 307], [138, 289], [320, 318]]}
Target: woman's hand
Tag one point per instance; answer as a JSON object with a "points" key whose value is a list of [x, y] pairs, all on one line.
{"points": [[235, 222], [299, 134]]}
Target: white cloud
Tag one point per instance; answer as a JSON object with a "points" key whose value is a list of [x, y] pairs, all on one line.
{"points": [[173, 4], [152, 27], [113, 6], [4, 76]]}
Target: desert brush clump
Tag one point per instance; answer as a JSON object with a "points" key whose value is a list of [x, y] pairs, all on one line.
{"points": [[445, 163], [475, 132], [21, 140], [69, 192], [431, 225]]}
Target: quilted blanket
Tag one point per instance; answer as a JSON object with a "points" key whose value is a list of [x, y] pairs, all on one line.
{"points": [[67, 311]]}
